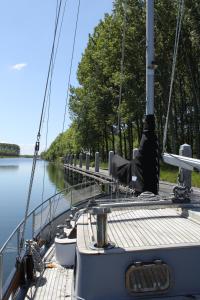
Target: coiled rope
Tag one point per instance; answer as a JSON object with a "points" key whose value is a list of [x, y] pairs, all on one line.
{"points": [[37, 260]]}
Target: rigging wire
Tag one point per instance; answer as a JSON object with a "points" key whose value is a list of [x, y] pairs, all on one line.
{"points": [[122, 65], [71, 63], [49, 103], [50, 84], [177, 37], [37, 144], [176, 43]]}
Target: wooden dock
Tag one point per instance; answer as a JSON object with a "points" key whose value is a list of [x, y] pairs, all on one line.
{"points": [[166, 188]]}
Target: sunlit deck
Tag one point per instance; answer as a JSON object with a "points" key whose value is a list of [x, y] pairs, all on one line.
{"points": [[54, 283]]}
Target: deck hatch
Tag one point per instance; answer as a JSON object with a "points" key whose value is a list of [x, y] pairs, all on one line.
{"points": [[147, 278]]}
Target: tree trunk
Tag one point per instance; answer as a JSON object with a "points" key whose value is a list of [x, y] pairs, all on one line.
{"points": [[113, 139], [106, 138], [125, 147]]}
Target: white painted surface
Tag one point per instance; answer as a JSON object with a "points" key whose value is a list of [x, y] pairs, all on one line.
{"points": [[65, 251]]}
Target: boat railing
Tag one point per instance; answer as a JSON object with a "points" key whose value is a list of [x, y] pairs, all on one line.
{"points": [[43, 215]]}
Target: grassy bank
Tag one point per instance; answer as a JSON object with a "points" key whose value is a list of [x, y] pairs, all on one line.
{"points": [[169, 173]]}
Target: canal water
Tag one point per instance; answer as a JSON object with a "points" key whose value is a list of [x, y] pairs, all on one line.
{"points": [[14, 183]]}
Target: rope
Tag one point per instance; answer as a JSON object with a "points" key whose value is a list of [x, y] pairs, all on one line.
{"points": [[122, 64], [37, 260], [48, 113], [49, 98], [176, 43], [37, 144], [71, 63]]}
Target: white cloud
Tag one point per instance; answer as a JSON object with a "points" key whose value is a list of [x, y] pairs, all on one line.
{"points": [[19, 67]]}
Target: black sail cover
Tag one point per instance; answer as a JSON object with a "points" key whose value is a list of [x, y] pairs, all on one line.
{"points": [[121, 169], [146, 163], [143, 171]]}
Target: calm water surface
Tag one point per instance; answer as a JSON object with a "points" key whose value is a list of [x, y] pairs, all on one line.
{"points": [[14, 182]]}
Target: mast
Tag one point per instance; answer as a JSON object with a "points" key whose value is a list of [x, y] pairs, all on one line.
{"points": [[146, 163], [150, 57]]}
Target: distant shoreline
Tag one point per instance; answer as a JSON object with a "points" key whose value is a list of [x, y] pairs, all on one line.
{"points": [[15, 156]]}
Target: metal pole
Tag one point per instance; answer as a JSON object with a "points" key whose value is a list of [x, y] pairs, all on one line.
{"points": [[1, 276], [87, 163], [101, 226], [50, 211], [50, 218], [97, 162], [102, 238], [18, 241], [150, 64], [71, 160], [135, 152], [75, 160], [80, 160], [33, 225], [185, 176], [110, 158], [71, 199]]}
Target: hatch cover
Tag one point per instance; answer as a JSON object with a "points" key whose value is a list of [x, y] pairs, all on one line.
{"points": [[148, 277]]}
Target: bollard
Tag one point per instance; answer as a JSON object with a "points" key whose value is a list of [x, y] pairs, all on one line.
{"points": [[135, 152], [87, 163], [75, 160], [96, 162], [67, 158], [185, 175], [80, 160], [71, 160], [110, 158]]}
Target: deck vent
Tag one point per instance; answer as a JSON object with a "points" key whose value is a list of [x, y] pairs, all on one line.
{"points": [[148, 278]]}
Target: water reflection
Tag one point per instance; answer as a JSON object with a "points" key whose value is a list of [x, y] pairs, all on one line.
{"points": [[9, 167], [55, 174], [62, 178], [14, 184]]}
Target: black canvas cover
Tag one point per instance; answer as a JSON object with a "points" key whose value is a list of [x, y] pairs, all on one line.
{"points": [[146, 163], [121, 169]]}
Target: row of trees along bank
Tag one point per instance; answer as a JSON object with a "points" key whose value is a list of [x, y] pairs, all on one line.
{"points": [[94, 104], [9, 149]]}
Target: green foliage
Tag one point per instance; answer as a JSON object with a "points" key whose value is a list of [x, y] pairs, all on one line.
{"points": [[64, 143], [9, 149], [94, 104]]}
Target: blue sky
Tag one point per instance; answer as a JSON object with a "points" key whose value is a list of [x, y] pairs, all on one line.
{"points": [[26, 32]]}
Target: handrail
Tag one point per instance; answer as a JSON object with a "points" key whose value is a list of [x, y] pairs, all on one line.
{"points": [[37, 207], [42, 208]]}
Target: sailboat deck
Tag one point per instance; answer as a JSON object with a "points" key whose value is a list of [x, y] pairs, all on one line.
{"points": [[55, 283], [142, 229]]}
